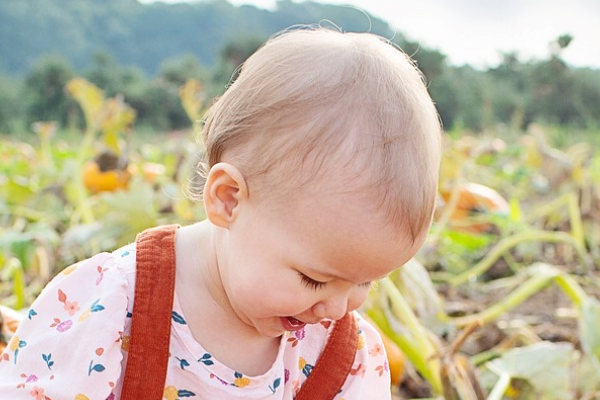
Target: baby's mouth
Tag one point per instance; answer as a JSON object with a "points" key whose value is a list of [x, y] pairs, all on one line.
{"points": [[292, 324]]}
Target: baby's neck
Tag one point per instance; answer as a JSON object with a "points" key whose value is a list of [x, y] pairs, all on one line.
{"points": [[207, 311]]}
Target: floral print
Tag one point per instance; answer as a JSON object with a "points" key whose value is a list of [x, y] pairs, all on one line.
{"points": [[38, 393], [172, 393], [296, 336], [75, 339], [14, 345]]}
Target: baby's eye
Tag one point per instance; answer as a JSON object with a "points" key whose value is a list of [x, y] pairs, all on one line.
{"points": [[311, 283]]}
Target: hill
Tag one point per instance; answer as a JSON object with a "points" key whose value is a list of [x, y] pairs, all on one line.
{"points": [[144, 35]]}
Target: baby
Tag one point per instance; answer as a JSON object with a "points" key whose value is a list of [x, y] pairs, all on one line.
{"points": [[321, 173]]}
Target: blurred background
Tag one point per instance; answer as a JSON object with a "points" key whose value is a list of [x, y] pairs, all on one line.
{"points": [[100, 105]]}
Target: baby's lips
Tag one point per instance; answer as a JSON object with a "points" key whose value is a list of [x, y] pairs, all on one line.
{"points": [[292, 324]]}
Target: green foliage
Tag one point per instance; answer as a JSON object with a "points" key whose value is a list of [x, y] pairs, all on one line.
{"points": [[113, 78], [159, 106], [144, 53], [231, 56], [431, 62], [180, 70], [44, 91], [463, 97], [11, 106]]}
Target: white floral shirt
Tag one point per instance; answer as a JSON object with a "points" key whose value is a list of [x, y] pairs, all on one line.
{"points": [[72, 345]]}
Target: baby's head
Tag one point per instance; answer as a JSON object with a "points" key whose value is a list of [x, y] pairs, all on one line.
{"points": [[316, 112]]}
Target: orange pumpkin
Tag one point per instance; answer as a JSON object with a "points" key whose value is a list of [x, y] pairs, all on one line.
{"points": [[104, 174], [474, 200]]}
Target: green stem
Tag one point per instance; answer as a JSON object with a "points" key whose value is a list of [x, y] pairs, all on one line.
{"points": [[547, 208], [411, 350], [570, 200], [510, 260], [404, 342], [575, 219], [507, 243], [571, 289], [519, 295], [16, 273], [46, 151], [530, 287], [421, 351], [82, 196], [83, 199], [86, 143]]}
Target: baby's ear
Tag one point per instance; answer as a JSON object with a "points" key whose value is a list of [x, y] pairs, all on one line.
{"points": [[225, 188]]}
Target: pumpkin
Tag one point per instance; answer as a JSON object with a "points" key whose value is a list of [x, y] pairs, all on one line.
{"points": [[104, 173], [474, 200]]}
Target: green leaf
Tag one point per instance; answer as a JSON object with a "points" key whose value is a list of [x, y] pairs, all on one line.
{"points": [[178, 318], [469, 241], [415, 284]]}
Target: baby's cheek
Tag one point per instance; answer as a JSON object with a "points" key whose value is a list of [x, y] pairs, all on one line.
{"points": [[357, 298], [272, 291]]}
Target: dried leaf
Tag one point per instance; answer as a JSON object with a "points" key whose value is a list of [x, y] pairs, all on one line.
{"points": [[90, 99], [546, 366], [191, 94], [589, 330]]}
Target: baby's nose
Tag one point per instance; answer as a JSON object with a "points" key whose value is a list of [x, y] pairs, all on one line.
{"points": [[332, 308]]}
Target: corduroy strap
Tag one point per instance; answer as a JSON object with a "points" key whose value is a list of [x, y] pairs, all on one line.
{"points": [[334, 363], [151, 320]]}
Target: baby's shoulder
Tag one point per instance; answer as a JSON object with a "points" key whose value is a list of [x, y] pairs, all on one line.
{"points": [[124, 258], [102, 275], [80, 315], [120, 262]]}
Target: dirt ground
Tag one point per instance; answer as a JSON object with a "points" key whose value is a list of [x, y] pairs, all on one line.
{"points": [[549, 315]]}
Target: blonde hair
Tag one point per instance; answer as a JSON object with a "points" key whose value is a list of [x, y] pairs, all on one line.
{"points": [[316, 99]]}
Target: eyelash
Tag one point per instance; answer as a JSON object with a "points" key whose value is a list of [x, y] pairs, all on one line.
{"points": [[311, 283], [367, 285], [316, 285]]}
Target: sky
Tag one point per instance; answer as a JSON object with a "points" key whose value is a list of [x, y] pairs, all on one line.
{"points": [[478, 32]]}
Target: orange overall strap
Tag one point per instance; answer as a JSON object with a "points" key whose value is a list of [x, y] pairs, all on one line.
{"points": [[151, 320], [334, 363]]}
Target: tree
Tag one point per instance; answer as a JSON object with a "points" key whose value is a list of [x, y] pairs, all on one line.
{"points": [[158, 104], [11, 106], [231, 56], [178, 71], [432, 63], [105, 73], [44, 89]]}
